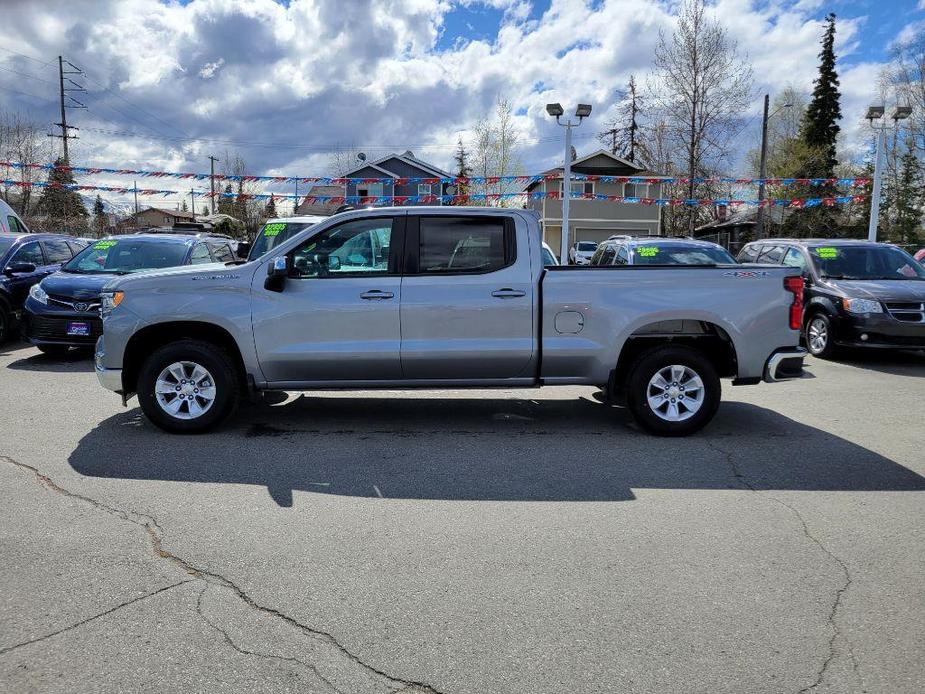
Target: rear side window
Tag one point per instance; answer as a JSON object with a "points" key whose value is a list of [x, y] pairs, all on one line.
{"points": [[749, 254], [794, 258], [76, 246], [772, 254], [623, 256], [57, 251], [15, 225], [464, 244], [200, 255], [608, 255], [29, 253]]}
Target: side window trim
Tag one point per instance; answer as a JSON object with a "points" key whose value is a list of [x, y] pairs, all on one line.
{"points": [[413, 247], [396, 249]]}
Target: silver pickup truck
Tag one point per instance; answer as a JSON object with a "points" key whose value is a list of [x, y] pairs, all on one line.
{"points": [[444, 297]]}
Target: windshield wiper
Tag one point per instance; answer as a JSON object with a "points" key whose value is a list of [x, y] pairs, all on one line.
{"points": [[843, 277]]}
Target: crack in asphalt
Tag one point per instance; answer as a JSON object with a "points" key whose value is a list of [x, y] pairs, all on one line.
{"points": [[257, 654], [839, 592], [155, 535], [104, 613]]}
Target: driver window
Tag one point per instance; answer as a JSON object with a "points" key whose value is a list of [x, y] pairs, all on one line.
{"points": [[200, 255], [360, 247], [29, 253]]}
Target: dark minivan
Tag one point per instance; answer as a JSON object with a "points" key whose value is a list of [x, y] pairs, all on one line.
{"points": [[63, 311], [25, 259], [858, 293]]}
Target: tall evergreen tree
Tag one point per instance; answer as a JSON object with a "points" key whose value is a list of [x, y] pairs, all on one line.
{"points": [[907, 200], [463, 170], [271, 208], [99, 215], [64, 209], [820, 125], [226, 201]]}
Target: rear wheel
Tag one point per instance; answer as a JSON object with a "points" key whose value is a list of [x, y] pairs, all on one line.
{"points": [[673, 391], [820, 336], [188, 387], [54, 350], [4, 324]]}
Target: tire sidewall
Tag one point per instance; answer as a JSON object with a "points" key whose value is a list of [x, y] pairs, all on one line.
{"points": [[6, 323], [647, 365], [829, 348], [214, 360]]}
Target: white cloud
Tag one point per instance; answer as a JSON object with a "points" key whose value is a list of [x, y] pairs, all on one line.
{"points": [[209, 69], [280, 83]]}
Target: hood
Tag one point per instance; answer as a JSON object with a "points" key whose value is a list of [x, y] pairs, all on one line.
{"points": [[883, 290], [70, 285], [209, 270]]}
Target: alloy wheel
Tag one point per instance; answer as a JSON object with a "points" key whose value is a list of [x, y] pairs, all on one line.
{"points": [[185, 390], [675, 393]]}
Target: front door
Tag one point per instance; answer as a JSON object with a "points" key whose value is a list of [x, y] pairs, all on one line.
{"points": [[337, 318], [467, 299], [21, 282]]}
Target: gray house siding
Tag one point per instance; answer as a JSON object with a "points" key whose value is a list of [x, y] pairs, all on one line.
{"points": [[400, 169]]}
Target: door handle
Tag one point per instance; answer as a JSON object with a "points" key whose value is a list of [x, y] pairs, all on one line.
{"points": [[376, 294], [508, 293]]}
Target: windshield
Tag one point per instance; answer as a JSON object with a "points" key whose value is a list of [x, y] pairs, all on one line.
{"points": [[129, 254], [274, 233], [5, 245], [865, 263], [588, 246], [680, 254]]}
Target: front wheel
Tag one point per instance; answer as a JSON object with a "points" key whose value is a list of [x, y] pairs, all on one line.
{"points": [[188, 387], [673, 391], [820, 336]]}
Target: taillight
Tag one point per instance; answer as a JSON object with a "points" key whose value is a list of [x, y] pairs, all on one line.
{"points": [[795, 285]]}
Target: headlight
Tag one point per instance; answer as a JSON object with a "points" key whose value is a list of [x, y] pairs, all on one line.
{"points": [[109, 300], [861, 306], [37, 293]]}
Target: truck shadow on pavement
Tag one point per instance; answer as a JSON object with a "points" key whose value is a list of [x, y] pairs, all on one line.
{"points": [[477, 449]]}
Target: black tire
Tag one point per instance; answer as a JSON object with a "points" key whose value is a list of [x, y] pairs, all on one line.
{"points": [[822, 325], [647, 366], [218, 365], [54, 350], [5, 324]]}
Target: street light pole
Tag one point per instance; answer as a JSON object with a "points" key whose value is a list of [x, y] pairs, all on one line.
{"points": [[581, 112], [876, 113], [763, 166]]}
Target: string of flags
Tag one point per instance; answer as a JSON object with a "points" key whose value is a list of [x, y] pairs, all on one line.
{"points": [[450, 180], [379, 200]]}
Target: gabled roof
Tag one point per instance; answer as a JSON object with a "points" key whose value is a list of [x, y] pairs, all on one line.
{"points": [[406, 157], [604, 152], [579, 167], [173, 213]]}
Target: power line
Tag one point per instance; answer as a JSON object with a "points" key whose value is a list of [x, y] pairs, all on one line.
{"points": [[28, 57], [26, 74]]}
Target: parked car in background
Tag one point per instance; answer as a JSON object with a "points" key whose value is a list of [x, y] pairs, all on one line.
{"points": [[63, 310], [239, 249], [443, 297], [25, 259], [581, 251], [858, 293], [920, 255], [275, 231], [549, 258], [659, 250], [10, 223]]}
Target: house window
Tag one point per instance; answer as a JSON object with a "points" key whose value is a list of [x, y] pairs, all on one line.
{"points": [[633, 190], [370, 190], [166, 219], [424, 188], [579, 188]]}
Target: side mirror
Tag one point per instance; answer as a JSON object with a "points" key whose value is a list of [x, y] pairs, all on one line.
{"points": [[244, 249], [277, 272], [19, 269]]}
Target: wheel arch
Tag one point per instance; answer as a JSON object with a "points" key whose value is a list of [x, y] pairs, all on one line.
{"points": [[152, 337]]}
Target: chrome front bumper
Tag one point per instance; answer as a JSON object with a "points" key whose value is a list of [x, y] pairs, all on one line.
{"points": [[784, 365]]}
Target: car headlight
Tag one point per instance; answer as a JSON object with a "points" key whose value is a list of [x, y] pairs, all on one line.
{"points": [[861, 306], [109, 300], [36, 292]]}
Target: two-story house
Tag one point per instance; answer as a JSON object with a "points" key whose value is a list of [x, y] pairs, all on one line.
{"points": [[397, 166], [595, 220]]}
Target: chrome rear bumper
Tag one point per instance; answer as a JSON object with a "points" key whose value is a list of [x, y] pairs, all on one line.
{"points": [[785, 365]]}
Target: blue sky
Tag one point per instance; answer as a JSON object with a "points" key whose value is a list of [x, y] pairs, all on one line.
{"points": [[285, 84]]}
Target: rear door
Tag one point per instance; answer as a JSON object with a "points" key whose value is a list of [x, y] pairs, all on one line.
{"points": [[467, 307], [337, 318]]}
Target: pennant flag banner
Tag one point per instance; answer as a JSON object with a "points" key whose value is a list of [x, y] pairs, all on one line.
{"points": [[450, 180], [380, 200]]}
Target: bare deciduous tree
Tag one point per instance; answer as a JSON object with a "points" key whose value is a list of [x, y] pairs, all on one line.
{"points": [[701, 85], [22, 140], [495, 152]]}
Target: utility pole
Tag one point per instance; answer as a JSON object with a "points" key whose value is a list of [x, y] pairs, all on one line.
{"points": [[295, 203], [192, 203], [762, 170], [135, 188], [212, 161], [63, 90]]}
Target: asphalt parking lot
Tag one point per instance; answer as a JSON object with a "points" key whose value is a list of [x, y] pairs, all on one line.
{"points": [[465, 542]]}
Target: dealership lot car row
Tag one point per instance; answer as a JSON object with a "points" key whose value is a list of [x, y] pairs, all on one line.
{"points": [[440, 298]]}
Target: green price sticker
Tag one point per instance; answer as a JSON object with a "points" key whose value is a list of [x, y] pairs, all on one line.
{"points": [[103, 245], [273, 229], [827, 253], [647, 251]]}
